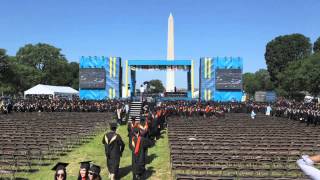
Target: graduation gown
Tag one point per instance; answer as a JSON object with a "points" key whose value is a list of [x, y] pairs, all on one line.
{"points": [[139, 152], [114, 147], [154, 131], [80, 178]]}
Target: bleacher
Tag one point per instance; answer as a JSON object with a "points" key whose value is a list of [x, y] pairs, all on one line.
{"points": [[30, 140], [238, 147]]}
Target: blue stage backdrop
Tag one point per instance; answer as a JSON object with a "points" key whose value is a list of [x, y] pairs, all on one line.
{"points": [[220, 79], [100, 78]]}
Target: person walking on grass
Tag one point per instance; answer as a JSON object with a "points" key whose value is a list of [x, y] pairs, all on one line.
{"points": [[114, 147], [139, 146]]}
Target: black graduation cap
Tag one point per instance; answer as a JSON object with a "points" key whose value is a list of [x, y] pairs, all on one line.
{"points": [[113, 125], [95, 169], [85, 165], [60, 166]]}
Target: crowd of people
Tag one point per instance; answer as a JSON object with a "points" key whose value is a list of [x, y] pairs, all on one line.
{"points": [[144, 133], [62, 105], [303, 112], [87, 171]]}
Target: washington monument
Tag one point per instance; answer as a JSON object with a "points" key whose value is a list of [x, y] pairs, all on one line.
{"points": [[170, 55]]}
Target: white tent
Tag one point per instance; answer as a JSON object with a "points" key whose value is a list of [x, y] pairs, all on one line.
{"points": [[41, 89]]}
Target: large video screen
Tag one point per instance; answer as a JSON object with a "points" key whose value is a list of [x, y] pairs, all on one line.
{"points": [[92, 78], [175, 94], [228, 79]]}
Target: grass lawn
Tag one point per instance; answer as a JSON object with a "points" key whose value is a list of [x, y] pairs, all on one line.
{"points": [[159, 168]]}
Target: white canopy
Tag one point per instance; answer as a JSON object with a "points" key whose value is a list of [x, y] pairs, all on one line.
{"points": [[41, 89]]}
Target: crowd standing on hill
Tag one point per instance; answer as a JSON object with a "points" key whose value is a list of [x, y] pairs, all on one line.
{"points": [[62, 105], [304, 112]]}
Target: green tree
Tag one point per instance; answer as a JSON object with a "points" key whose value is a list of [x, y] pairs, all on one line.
{"points": [[4, 68], [258, 81], [291, 80], [74, 75], [34, 64], [22, 76], [316, 46], [284, 49], [311, 70], [47, 62], [263, 78], [14, 77], [3, 62], [250, 83], [155, 86], [302, 75], [40, 56]]}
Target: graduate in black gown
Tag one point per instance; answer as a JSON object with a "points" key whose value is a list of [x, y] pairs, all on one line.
{"points": [[114, 147], [139, 146], [131, 125], [155, 126], [61, 172], [84, 170]]}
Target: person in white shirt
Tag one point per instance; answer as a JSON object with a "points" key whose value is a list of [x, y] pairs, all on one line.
{"points": [[141, 92], [119, 110], [306, 165], [268, 111], [127, 108], [253, 114]]}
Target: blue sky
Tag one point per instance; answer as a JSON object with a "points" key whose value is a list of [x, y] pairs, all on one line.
{"points": [[134, 29]]}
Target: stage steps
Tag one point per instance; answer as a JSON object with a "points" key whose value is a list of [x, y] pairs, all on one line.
{"points": [[135, 110]]}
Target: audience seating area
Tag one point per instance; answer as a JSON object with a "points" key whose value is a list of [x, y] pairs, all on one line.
{"points": [[238, 147], [234, 147], [30, 140]]}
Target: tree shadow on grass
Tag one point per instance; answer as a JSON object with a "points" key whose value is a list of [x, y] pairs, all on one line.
{"points": [[150, 158], [148, 173], [159, 136], [163, 132], [124, 171]]}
